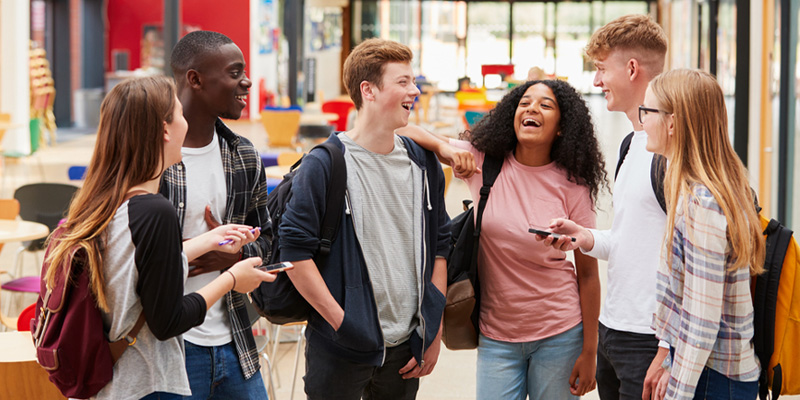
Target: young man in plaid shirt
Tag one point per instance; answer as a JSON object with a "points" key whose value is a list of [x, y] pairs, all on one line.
{"points": [[220, 180]]}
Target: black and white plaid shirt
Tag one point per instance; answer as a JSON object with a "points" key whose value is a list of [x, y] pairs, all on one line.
{"points": [[246, 204]]}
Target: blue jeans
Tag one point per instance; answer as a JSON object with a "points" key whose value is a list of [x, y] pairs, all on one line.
{"points": [[622, 362], [162, 396], [538, 369], [215, 373], [715, 386]]}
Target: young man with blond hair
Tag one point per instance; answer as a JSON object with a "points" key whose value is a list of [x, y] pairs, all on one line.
{"points": [[378, 300], [628, 52]]}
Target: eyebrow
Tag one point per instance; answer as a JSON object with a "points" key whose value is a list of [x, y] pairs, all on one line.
{"points": [[236, 65], [529, 97]]}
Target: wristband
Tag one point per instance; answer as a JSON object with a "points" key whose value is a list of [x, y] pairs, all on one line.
{"points": [[234, 279]]}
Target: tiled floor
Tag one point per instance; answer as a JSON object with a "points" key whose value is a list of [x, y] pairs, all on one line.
{"points": [[454, 375]]}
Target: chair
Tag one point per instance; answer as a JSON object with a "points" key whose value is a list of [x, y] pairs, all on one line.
{"points": [[288, 158], [281, 126], [471, 117], [76, 172], [25, 317], [301, 336], [45, 203], [9, 209], [341, 108]]}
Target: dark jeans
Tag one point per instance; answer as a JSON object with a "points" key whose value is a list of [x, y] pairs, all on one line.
{"points": [[332, 378], [715, 386], [622, 362]]}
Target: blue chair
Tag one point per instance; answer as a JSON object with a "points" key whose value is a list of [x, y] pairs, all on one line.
{"points": [[472, 117], [76, 172], [272, 183]]}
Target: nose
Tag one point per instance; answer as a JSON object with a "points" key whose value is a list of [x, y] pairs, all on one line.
{"points": [[246, 82], [415, 90], [598, 80]]}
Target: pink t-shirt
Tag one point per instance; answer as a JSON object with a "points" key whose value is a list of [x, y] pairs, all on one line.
{"points": [[528, 291]]}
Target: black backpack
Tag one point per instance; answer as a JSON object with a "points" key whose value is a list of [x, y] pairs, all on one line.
{"points": [[279, 301], [460, 326], [657, 169]]}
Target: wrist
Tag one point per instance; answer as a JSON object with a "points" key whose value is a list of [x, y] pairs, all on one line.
{"points": [[586, 240]]}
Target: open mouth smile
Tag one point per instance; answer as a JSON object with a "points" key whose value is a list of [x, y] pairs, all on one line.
{"points": [[531, 122]]}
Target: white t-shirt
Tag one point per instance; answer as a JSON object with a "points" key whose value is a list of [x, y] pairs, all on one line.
{"points": [[205, 185], [633, 245]]}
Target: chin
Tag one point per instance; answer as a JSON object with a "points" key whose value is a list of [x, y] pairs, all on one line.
{"points": [[230, 115]]}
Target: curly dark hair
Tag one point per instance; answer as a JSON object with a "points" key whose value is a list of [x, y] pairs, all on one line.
{"points": [[576, 150]]}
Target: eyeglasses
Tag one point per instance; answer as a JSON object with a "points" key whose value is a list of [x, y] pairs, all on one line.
{"points": [[644, 110]]}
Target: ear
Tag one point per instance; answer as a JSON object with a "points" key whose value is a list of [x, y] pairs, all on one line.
{"points": [[166, 133], [670, 121], [367, 91], [634, 69], [193, 79]]}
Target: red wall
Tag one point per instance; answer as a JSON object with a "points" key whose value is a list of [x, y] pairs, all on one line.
{"points": [[126, 19]]}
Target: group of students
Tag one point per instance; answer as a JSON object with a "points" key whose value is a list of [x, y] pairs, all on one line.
{"points": [[677, 327]]}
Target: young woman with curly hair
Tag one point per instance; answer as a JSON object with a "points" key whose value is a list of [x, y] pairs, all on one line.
{"points": [[538, 314]]}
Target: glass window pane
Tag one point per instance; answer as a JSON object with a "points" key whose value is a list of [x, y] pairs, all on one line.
{"points": [[487, 36]]}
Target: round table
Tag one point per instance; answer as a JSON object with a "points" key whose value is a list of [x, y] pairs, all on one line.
{"points": [[18, 231]]}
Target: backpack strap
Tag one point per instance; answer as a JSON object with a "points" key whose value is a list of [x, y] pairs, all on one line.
{"points": [[490, 170], [119, 347], [623, 151], [658, 168], [334, 198]]}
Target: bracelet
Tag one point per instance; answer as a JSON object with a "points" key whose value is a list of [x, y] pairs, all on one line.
{"points": [[234, 278]]}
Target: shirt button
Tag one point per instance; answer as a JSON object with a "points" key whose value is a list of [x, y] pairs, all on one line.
{"points": [[179, 167], [180, 204]]}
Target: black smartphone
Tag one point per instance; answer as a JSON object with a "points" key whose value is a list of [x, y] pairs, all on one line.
{"points": [[283, 266], [546, 233]]}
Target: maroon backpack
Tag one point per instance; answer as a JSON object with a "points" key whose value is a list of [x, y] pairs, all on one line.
{"points": [[68, 331]]}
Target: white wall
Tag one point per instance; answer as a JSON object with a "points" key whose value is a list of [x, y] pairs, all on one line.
{"points": [[15, 72]]}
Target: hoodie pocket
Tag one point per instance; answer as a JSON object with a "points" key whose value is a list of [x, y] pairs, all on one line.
{"points": [[360, 329]]}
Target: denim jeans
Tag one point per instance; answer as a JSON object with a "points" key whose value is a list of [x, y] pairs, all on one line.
{"points": [[329, 377], [539, 369], [715, 386], [622, 362], [215, 373], [162, 396]]}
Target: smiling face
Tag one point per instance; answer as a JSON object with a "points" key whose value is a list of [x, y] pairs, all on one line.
{"points": [[613, 78], [225, 83], [393, 100], [538, 118], [656, 125]]}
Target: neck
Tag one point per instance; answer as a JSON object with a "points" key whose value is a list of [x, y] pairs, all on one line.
{"points": [[637, 91], [535, 156], [372, 134], [150, 186], [201, 122]]}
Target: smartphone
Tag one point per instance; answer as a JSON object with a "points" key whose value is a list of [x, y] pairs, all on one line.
{"points": [[546, 233], [283, 266]]}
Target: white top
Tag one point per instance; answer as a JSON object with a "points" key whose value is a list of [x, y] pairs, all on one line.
{"points": [[205, 185], [632, 246]]}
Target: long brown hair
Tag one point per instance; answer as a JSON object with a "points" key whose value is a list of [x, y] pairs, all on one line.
{"points": [[699, 151], [128, 152]]}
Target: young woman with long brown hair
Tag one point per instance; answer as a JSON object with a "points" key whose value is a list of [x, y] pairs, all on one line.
{"points": [[136, 261], [713, 242]]}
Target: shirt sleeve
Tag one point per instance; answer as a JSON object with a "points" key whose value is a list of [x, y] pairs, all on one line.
{"points": [[300, 225], [603, 241], [159, 261], [704, 245], [477, 154], [258, 215]]}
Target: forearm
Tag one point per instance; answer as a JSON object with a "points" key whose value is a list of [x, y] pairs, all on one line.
{"points": [[197, 246], [214, 290], [439, 278], [589, 293], [307, 280], [428, 140]]}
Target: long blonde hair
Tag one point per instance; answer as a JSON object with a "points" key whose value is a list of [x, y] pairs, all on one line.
{"points": [[128, 152], [699, 151]]}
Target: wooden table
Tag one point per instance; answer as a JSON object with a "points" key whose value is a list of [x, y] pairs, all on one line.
{"points": [[18, 231], [276, 171], [21, 377], [317, 118]]}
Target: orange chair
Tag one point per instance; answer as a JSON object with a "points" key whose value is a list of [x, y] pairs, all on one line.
{"points": [[342, 109], [281, 126]]}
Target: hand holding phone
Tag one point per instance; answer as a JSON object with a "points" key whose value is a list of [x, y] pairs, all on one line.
{"points": [[540, 232], [275, 268], [229, 241]]}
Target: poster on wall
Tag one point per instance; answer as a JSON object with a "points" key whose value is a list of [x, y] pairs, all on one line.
{"points": [[266, 26]]}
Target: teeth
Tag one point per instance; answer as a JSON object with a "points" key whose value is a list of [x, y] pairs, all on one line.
{"points": [[407, 106], [242, 97], [531, 121]]}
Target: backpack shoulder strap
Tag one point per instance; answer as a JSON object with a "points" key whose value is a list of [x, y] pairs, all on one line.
{"points": [[490, 170], [658, 168], [334, 199], [623, 151]]}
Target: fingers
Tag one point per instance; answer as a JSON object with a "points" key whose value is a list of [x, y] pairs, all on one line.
{"points": [[210, 220], [410, 365]]}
